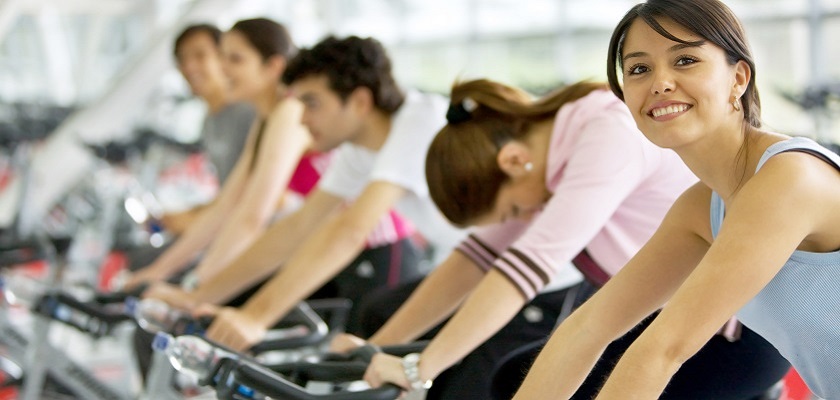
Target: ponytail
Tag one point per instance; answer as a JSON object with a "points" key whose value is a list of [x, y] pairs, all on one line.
{"points": [[462, 171]]}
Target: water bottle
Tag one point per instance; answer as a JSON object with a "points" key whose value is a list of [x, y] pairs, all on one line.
{"points": [[154, 315], [191, 355]]}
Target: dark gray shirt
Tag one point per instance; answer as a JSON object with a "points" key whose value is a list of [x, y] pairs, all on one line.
{"points": [[223, 136]]}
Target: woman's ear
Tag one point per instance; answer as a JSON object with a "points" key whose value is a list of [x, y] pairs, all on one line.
{"points": [[743, 73], [514, 159]]}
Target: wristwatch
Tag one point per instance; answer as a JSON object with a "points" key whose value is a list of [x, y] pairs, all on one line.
{"points": [[411, 363]]}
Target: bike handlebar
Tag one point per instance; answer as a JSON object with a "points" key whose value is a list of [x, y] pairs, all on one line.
{"points": [[116, 152], [316, 331], [342, 367], [253, 377], [366, 352], [100, 321]]}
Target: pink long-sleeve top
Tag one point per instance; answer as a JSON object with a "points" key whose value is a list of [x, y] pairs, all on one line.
{"points": [[610, 188]]}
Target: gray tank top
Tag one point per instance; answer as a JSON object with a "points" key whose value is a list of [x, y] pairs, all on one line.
{"points": [[799, 310], [224, 134]]}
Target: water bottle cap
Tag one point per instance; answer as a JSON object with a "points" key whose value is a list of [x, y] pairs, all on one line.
{"points": [[130, 305], [162, 341], [245, 391]]}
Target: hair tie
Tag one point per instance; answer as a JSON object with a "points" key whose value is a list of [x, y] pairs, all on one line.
{"points": [[461, 111]]}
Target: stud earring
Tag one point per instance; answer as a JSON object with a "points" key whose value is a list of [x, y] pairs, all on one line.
{"points": [[736, 103], [529, 166]]}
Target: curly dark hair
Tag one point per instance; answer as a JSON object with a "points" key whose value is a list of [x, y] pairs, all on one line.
{"points": [[348, 64]]}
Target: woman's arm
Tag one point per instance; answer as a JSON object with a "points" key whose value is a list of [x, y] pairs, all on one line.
{"points": [[760, 232], [284, 142], [202, 232], [489, 308], [491, 305], [444, 289], [319, 258], [638, 290], [436, 298], [269, 251]]}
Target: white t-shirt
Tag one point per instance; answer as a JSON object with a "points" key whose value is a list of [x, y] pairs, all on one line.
{"points": [[400, 161]]}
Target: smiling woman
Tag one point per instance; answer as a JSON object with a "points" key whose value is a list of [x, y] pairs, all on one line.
{"points": [[760, 226]]}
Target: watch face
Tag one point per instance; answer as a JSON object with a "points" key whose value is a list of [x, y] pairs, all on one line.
{"points": [[412, 358], [412, 373]]}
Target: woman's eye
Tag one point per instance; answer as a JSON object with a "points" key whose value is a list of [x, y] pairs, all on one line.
{"points": [[686, 60], [637, 69]]}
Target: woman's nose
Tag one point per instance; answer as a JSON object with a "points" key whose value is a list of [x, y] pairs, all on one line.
{"points": [[663, 82]]}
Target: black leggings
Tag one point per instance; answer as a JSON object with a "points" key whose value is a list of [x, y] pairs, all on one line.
{"points": [[385, 266], [721, 370]]}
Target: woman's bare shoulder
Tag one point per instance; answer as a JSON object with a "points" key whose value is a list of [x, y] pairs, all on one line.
{"points": [[691, 211]]}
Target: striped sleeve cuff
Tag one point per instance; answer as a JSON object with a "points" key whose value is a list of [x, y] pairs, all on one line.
{"points": [[523, 272], [478, 251]]}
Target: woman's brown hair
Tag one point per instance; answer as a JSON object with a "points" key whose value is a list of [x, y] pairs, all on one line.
{"points": [[462, 171]]}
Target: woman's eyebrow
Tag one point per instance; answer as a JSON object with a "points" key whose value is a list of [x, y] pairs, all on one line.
{"points": [[676, 47]]}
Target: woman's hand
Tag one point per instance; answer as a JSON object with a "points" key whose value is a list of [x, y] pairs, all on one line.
{"points": [[206, 310], [345, 342], [384, 369], [126, 281], [172, 295], [236, 329]]}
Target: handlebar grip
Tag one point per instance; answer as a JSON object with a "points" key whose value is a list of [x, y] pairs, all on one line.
{"points": [[99, 323], [325, 371], [386, 392], [316, 331], [401, 350], [119, 296], [261, 380], [335, 311], [16, 252], [365, 353], [189, 325], [92, 309], [273, 385]]}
